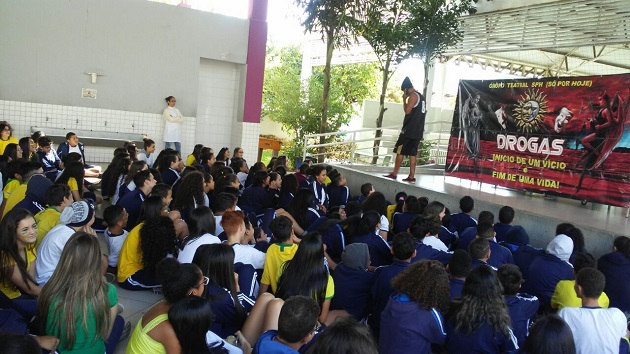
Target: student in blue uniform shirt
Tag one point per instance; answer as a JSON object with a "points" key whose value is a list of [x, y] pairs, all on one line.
{"points": [[522, 307], [421, 227], [296, 326], [319, 188], [479, 322], [169, 168], [480, 252], [460, 221], [338, 191], [132, 202], [255, 198], [401, 221], [517, 241], [616, 267], [412, 320], [506, 216], [403, 249], [499, 255], [367, 231], [302, 209], [273, 189], [471, 232], [288, 189], [353, 283], [458, 269]]}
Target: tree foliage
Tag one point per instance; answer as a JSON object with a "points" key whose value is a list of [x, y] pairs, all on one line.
{"points": [[296, 104]]}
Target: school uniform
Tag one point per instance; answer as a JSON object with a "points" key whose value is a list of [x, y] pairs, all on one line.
{"points": [[499, 255], [616, 268], [380, 253], [170, 176], [132, 202], [406, 327], [449, 238], [352, 290], [545, 273], [461, 221], [274, 197], [465, 237], [382, 290], [255, 200], [517, 241], [456, 288], [501, 231], [285, 200], [484, 340], [321, 197], [224, 310], [401, 221], [338, 196], [478, 262], [427, 252], [267, 345], [522, 308]]}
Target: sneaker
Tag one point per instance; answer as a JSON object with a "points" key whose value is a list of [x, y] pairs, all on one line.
{"points": [[125, 332], [157, 290], [111, 278], [409, 179], [391, 175]]}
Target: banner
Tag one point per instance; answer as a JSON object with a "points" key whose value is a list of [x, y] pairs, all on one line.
{"points": [[562, 136]]}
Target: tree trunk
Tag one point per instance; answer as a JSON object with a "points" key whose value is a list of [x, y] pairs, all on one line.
{"points": [[381, 113], [323, 126], [426, 65]]}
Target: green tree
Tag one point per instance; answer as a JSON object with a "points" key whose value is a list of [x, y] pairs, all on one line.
{"points": [[333, 20], [296, 105]]}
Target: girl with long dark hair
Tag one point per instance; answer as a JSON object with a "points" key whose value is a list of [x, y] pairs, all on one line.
{"points": [[367, 232], [114, 175], [207, 160], [402, 220], [73, 175], [338, 190], [29, 149], [202, 229], [224, 155], [258, 166], [153, 238], [479, 321], [288, 188], [190, 194], [307, 275], [195, 156], [128, 183], [321, 196], [13, 152], [229, 304], [18, 235], [302, 209], [376, 202]]}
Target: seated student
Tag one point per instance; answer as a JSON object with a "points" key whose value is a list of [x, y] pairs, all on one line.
{"points": [[147, 155], [192, 318], [229, 305], [479, 250], [278, 253], [273, 191], [27, 170], [377, 202], [460, 221], [432, 238], [366, 190], [234, 225], [18, 234], [577, 237], [78, 216], [303, 175], [403, 249], [399, 201], [402, 220], [353, 282], [517, 241], [506, 217], [550, 334], [548, 269], [596, 330], [521, 306], [318, 186], [255, 198], [412, 320], [222, 202], [127, 183], [338, 191], [499, 255], [170, 168], [195, 156], [437, 209], [58, 197], [346, 336], [115, 216], [420, 227], [479, 322], [149, 242], [6, 136], [458, 269], [201, 226], [616, 266], [132, 202], [288, 189], [48, 158], [77, 305], [470, 232], [239, 165], [565, 296], [303, 210], [12, 177], [190, 194], [35, 199], [296, 327], [367, 232]]}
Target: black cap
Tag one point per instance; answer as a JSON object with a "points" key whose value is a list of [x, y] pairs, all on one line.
{"points": [[406, 84]]}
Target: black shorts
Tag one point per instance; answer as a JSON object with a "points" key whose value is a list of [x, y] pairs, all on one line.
{"points": [[406, 146]]}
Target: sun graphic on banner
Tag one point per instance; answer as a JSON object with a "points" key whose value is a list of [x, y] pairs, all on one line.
{"points": [[530, 110]]}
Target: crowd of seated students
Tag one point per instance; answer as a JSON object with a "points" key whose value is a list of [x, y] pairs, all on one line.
{"points": [[285, 262]]}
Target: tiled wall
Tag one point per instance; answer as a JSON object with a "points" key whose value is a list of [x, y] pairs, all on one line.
{"points": [[24, 115]]}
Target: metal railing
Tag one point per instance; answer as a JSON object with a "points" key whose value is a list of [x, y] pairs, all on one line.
{"points": [[356, 146]]}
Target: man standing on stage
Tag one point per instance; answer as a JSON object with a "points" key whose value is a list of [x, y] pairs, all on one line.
{"points": [[412, 130]]}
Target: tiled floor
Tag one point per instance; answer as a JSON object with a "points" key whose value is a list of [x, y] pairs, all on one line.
{"points": [[136, 303]]}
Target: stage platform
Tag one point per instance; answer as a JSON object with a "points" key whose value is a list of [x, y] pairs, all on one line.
{"points": [[538, 214]]}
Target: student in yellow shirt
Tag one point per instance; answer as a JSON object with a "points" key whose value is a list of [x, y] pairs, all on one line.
{"points": [[18, 234], [58, 197], [565, 295], [27, 170], [6, 136], [72, 176], [278, 253], [195, 156]]}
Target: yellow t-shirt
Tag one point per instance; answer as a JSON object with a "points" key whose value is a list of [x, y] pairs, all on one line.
{"points": [[8, 288], [4, 143], [72, 183], [16, 196], [277, 254], [190, 160], [130, 258], [46, 220], [12, 184], [565, 296]]}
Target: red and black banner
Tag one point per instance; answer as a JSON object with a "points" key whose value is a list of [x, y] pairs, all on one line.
{"points": [[563, 136]]}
